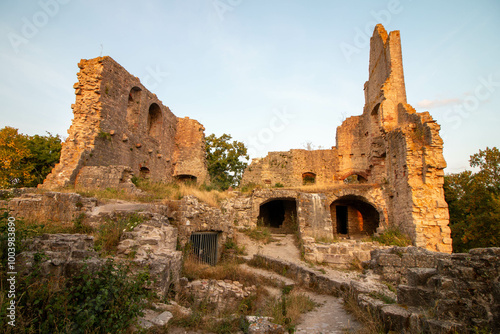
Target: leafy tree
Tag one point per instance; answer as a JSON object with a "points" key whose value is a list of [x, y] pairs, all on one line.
{"points": [[226, 160], [14, 171], [25, 160], [474, 202], [45, 153]]}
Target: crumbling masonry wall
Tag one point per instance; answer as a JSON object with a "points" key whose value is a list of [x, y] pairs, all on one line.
{"points": [[389, 147], [118, 122]]}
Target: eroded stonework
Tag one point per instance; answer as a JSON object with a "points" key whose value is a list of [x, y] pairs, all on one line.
{"points": [[121, 129], [387, 165]]}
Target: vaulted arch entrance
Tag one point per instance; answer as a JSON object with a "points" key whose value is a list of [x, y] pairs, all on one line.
{"points": [[353, 215], [279, 214]]}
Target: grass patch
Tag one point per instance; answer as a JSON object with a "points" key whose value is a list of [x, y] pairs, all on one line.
{"points": [[393, 237], [158, 191], [260, 234], [286, 310], [107, 236], [382, 297], [226, 270]]}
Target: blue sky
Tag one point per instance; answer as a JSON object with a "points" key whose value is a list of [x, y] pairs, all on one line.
{"points": [[274, 74]]}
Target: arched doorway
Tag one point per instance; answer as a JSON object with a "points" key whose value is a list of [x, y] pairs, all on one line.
{"points": [[279, 214], [155, 121], [134, 108], [353, 215]]}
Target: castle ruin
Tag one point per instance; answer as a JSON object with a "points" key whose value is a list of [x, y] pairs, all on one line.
{"points": [[120, 129], [386, 170]]}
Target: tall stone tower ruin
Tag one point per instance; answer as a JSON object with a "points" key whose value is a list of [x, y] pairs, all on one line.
{"points": [[387, 168]]}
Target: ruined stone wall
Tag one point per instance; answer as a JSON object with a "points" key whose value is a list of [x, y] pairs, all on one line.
{"points": [[189, 154], [288, 168], [458, 291], [85, 128], [190, 215], [389, 146], [60, 208], [118, 122]]}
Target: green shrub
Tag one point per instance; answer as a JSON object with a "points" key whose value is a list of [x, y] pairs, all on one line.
{"points": [[393, 237], [105, 301]]}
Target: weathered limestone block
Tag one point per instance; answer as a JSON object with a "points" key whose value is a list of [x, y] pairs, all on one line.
{"points": [[59, 254], [53, 206], [102, 177], [222, 294], [263, 325], [152, 244]]}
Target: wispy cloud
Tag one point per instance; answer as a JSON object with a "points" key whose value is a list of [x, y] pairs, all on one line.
{"points": [[438, 103]]}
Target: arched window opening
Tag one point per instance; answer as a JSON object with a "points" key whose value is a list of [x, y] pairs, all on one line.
{"points": [[308, 178], [154, 121], [144, 172], [352, 216], [375, 110], [186, 178], [279, 214], [133, 108]]}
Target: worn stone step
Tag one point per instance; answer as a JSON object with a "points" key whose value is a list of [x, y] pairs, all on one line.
{"points": [[415, 296]]}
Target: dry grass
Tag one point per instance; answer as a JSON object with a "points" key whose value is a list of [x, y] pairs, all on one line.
{"points": [[287, 309], [229, 269], [371, 324], [156, 191]]}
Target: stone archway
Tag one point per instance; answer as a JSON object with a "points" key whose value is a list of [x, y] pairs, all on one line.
{"points": [[354, 216], [279, 213]]}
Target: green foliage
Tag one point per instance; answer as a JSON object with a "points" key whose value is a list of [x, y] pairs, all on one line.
{"points": [[45, 154], [474, 202], [25, 160], [226, 160], [260, 233], [105, 301], [382, 297], [278, 185], [13, 152], [109, 234], [104, 135], [393, 237]]}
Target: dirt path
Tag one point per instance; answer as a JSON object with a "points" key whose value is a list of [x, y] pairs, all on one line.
{"points": [[330, 316]]}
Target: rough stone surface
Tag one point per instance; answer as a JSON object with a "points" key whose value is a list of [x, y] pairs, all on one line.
{"points": [[59, 254], [190, 215], [342, 254], [221, 294], [120, 126], [390, 149], [53, 206], [263, 325], [152, 245]]}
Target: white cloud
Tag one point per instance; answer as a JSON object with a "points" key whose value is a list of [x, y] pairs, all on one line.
{"points": [[433, 104]]}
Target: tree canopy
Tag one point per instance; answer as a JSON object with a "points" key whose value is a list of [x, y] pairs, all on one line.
{"points": [[226, 160], [26, 160], [474, 202]]}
